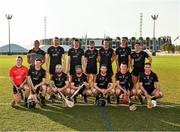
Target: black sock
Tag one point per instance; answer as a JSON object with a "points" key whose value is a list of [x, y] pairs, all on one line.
{"points": [[153, 98], [97, 97], [75, 99], [117, 98], [108, 99], [25, 99]]}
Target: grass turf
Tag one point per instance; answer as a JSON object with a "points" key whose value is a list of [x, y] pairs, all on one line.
{"points": [[54, 117]]}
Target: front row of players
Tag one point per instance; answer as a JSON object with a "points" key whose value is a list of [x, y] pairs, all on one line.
{"points": [[31, 83]]}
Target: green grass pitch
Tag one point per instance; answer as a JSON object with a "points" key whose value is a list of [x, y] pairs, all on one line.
{"points": [[90, 117]]}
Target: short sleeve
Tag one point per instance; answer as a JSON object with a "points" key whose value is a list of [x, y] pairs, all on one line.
{"points": [[155, 78], [69, 52], [11, 72], [117, 76], [85, 54], [82, 52], [48, 50], [62, 50], [44, 74], [146, 55], [141, 78], [129, 51], [29, 72]]}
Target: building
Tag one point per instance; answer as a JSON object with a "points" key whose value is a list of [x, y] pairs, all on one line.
{"points": [[14, 49], [147, 43]]}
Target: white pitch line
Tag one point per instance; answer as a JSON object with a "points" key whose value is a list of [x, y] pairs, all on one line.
{"points": [[139, 105]]}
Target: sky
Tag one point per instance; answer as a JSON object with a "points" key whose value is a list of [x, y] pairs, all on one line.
{"points": [[96, 18]]}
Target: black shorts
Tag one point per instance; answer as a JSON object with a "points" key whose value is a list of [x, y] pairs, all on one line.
{"points": [[137, 71], [149, 91], [91, 69], [72, 70], [15, 90], [110, 71]]}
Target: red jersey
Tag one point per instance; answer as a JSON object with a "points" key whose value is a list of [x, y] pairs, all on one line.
{"points": [[18, 74]]}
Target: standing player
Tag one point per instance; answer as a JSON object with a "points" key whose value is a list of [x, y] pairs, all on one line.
{"points": [[18, 76], [123, 54], [149, 84], [75, 57], [59, 79], [106, 56], [36, 80], [91, 56], [103, 83], [138, 59], [124, 82], [35, 53], [77, 80], [54, 56]]}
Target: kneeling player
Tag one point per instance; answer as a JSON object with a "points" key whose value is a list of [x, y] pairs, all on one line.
{"points": [[58, 83], [18, 76], [36, 80], [149, 85], [77, 80], [124, 82], [103, 83]]}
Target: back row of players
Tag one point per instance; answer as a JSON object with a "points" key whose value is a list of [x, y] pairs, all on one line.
{"points": [[68, 73]]}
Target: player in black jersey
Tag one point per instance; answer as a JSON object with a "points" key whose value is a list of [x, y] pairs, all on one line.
{"points": [[124, 82], [103, 83], [59, 79], [75, 57], [138, 59], [35, 53], [36, 80], [123, 54], [106, 56], [149, 83], [77, 80], [91, 56], [54, 56]]}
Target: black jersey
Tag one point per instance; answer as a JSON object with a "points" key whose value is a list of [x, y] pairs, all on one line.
{"points": [[123, 54], [78, 81], [39, 54], [139, 59], [55, 54], [103, 81], [75, 56], [106, 56], [125, 80], [148, 81], [59, 81], [91, 56], [36, 75]]}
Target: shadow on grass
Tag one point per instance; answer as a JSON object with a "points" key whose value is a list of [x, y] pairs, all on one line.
{"points": [[84, 117], [78, 118]]}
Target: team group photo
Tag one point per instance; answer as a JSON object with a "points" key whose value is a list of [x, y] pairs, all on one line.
{"points": [[77, 73], [89, 65]]}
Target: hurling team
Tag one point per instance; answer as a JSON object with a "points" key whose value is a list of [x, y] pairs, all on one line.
{"points": [[133, 78]]}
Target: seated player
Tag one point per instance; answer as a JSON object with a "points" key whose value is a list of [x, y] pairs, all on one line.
{"points": [[103, 83], [18, 76], [149, 85], [36, 80], [124, 82], [77, 80], [58, 82]]}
